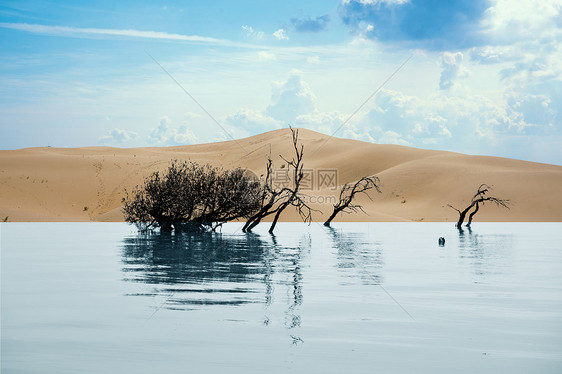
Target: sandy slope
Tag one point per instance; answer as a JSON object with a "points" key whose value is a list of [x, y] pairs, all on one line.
{"points": [[86, 184]]}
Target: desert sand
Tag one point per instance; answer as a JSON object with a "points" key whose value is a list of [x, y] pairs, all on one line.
{"points": [[87, 184]]}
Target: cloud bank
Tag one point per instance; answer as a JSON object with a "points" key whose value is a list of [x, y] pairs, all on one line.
{"points": [[433, 24]]}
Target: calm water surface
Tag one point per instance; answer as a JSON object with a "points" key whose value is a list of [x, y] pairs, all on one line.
{"points": [[358, 298]]}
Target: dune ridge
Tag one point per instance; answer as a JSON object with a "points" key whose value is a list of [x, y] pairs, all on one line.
{"points": [[87, 184]]}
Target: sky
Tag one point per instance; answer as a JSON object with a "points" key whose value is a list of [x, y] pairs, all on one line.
{"points": [[473, 76]]}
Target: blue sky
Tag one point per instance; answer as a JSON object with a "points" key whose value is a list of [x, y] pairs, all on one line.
{"points": [[483, 76]]}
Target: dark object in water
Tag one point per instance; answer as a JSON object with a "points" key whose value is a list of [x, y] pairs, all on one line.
{"points": [[441, 241]]}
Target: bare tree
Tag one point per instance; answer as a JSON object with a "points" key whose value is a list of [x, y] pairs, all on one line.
{"points": [[348, 193], [268, 199], [191, 196], [275, 201], [481, 197]]}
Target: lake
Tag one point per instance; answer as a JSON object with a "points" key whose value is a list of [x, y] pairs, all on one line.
{"points": [[357, 298]]}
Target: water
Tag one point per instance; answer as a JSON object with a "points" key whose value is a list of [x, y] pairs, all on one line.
{"points": [[359, 298]]}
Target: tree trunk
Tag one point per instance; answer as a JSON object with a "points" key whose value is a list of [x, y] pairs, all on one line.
{"points": [[276, 218], [472, 215], [462, 215], [334, 214], [253, 220], [253, 224]]}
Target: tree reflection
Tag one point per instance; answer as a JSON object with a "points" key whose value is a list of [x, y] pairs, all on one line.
{"points": [[197, 268], [206, 268], [358, 253], [484, 251], [288, 262]]}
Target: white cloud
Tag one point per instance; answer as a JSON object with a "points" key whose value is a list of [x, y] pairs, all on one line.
{"points": [[183, 135], [328, 123], [532, 112], [158, 135], [313, 60], [445, 132], [509, 21], [492, 54], [76, 31], [252, 122], [391, 137], [164, 134], [453, 69], [266, 56], [291, 98], [117, 136], [251, 33], [280, 35], [463, 121], [292, 102]]}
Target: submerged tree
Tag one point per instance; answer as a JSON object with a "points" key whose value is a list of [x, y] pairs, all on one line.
{"points": [[481, 197], [275, 200], [190, 196], [348, 193]]}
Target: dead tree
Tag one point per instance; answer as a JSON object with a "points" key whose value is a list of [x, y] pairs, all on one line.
{"points": [[348, 193], [275, 201], [481, 197], [268, 199], [190, 196]]}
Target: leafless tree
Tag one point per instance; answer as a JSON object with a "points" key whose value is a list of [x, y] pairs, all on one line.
{"points": [[348, 193], [268, 199], [274, 200], [481, 197], [192, 196]]}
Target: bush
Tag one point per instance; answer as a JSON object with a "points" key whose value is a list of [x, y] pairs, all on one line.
{"points": [[190, 196]]}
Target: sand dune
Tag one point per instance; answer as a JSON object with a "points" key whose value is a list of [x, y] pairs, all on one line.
{"points": [[87, 184]]}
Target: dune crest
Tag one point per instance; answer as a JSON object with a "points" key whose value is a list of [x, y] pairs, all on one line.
{"points": [[87, 184]]}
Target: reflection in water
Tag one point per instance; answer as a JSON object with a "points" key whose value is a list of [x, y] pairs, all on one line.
{"points": [[294, 289], [202, 268], [356, 252], [196, 269], [485, 252]]}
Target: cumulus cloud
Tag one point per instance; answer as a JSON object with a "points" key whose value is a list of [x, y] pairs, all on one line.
{"points": [[451, 63], [532, 114], [292, 102], [280, 35], [436, 24], [463, 122], [328, 123], [252, 122], [507, 21], [459, 120], [311, 24], [183, 135], [524, 45], [291, 98], [158, 135], [165, 135], [117, 136]]}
